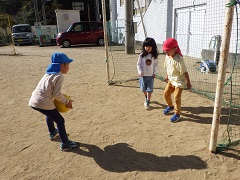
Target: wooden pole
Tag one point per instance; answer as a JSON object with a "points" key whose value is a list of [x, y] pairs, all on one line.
{"points": [[105, 39], [221, 76], [129, 31], [10, 26]]}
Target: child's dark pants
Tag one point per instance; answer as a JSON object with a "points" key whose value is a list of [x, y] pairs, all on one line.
{"points": [[54, 116]]}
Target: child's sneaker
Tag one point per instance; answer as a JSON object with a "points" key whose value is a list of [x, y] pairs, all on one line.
{"points": [[168, 110], [146, 105], [68, 146], [175, 118], [53, 135]]}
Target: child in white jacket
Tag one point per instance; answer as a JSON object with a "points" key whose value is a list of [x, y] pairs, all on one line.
{"points": [[147, 68], [49, 88]]}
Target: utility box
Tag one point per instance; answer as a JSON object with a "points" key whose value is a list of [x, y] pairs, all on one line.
{"points": [[65, 18]]}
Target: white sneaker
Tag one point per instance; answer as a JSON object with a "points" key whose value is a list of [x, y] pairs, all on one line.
{"points": [[146, 105]]}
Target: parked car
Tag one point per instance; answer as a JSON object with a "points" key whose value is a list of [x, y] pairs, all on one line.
{"points": [[82, 33], [22, 34]]}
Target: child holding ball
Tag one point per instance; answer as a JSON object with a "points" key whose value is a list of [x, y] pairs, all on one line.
{"points": [[49, 88]]}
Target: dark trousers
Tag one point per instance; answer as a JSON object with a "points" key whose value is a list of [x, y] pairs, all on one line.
{"points": [[54, 116]]}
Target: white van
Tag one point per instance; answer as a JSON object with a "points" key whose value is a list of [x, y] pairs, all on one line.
{"points": [[22, 34]]}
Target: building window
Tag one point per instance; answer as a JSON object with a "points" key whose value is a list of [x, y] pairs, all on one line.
{"points": [[78, 6]]}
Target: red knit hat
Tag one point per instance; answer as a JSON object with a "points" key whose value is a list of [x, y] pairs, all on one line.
{"points": [[170, 44]]}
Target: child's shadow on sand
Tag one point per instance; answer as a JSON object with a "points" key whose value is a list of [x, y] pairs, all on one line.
{"points": [[155, 105], [122, 158]]}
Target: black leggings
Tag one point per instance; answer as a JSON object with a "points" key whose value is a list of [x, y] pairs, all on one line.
{"points": [[54, 116]]}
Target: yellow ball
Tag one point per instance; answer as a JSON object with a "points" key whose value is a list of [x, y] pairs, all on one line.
{"points": [[60, 106]]}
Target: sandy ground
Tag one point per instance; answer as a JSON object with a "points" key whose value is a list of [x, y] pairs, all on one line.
{"points": [[118, 138]]}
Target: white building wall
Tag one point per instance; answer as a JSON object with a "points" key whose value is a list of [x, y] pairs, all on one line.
{"points": [[120, 24], [213, 25], [120, 13], [214, 22], [155, 21]]}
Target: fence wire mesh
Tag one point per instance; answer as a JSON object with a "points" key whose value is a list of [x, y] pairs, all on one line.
{"points": [[198, 27]]}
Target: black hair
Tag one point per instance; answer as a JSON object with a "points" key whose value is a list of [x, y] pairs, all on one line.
{"points": [[150, 42]]}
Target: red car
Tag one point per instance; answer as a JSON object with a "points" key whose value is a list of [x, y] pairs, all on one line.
{"points": [[82, 33]]}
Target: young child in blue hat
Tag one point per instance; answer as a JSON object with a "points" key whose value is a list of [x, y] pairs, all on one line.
{"points": [[49, 88]]}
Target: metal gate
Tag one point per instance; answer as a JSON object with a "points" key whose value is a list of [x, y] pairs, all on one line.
{"points": [[189, 29]]}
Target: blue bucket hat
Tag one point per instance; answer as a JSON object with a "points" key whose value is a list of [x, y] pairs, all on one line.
{"points": [[57, 59]]}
